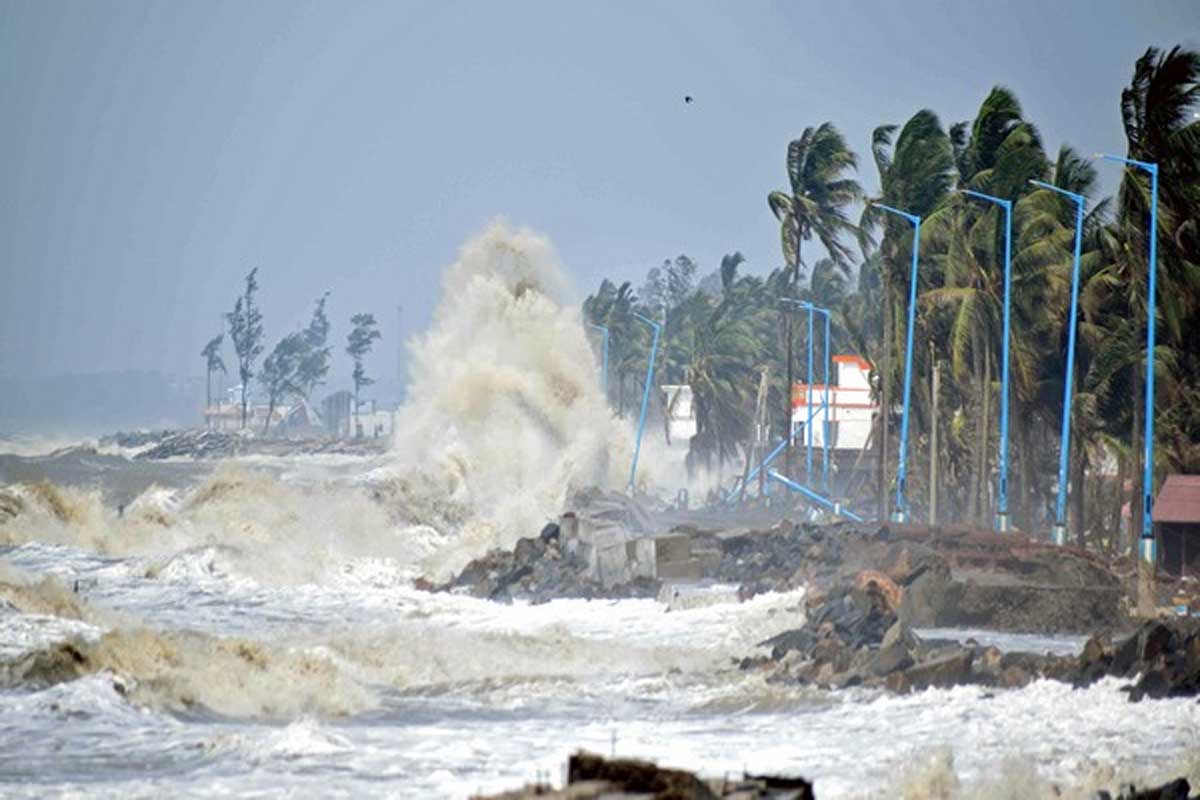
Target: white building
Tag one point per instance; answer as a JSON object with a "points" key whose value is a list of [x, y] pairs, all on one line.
{"points": [[681, 413], [851, 410]]}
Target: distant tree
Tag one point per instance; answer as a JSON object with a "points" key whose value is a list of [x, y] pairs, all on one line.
{"points": [[314, 363], [358, 344], [280, 375], [246, 331], [653, 293], [212, 363], [680, 280]]}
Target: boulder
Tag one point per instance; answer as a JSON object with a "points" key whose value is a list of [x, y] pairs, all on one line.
{"points": [[896, 652], [950, 670]]}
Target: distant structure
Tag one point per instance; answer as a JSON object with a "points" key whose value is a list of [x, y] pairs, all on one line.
{"points": [[851, 410], [1177, 524], [225, 415], [337, 413], [680, 414]]}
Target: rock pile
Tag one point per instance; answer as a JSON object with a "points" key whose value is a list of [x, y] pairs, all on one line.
{"points": [[856, 636], [205, 445], [540, 569], [949, 578], [592, 777]]}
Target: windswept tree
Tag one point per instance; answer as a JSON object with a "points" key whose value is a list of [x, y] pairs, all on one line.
{"points": [[212, 363], [314, 363], [820, 193], [628, 342], [280, 375], [915, 172], [246, 331], [358, 344]]}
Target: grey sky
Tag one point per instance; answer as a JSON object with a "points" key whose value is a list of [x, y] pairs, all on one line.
{"points": [[150, 153]]}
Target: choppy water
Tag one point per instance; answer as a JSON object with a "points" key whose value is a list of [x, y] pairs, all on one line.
{"points": [[253, 629], [440, 696]]}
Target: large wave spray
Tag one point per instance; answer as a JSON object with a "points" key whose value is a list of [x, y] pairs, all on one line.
{"points": [[505, 413]]}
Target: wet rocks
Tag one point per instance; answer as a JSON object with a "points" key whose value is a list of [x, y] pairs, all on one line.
{"points": [[1178, 789], [592, 777], [852, 636], [1161, 656], [539, 569], [208, 445]]}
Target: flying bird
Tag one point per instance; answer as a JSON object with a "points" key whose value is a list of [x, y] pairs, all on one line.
{"points": [[687, 98]]}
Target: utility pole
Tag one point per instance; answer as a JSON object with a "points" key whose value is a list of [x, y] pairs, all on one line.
{"points": [[936, 369], [762, 429]]}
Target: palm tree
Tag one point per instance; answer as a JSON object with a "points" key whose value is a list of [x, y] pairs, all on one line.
{"points": [[727, 354], [914, 175], [212, 363], [628, 344], [815, 205], [1157, 111], [999, 157]]}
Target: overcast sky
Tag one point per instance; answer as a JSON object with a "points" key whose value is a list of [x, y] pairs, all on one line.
{"points": [[151, 153]]}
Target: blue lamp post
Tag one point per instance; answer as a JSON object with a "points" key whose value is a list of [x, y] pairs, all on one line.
{"points": [[1002, 493], [1064, 447], [808, 437], [1146, 546], [637, 444], [811, 309], [900, 514], [603, 357]]}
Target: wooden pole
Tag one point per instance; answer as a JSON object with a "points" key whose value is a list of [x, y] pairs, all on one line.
{"points": [[935, 368]]}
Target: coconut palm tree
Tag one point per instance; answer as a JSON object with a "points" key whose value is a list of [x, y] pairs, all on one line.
{"points": [[212, 363], [1000, 155], [728, 352], [915, 172], [819, 194], [1158, 110]]}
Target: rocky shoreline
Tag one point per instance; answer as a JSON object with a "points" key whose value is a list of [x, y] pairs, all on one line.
{"points": [[208, 445], [869, 588], [592, 777]]}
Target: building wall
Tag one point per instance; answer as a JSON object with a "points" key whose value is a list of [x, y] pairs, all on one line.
{"points": [[851, 410], [681, 422]]}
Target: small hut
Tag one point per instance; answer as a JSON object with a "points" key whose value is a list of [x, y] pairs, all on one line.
{"points": [[1176, 516]]}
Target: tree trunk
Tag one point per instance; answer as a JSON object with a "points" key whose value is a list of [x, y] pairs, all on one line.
{"points": [[1136, 452], [985, 422], [207, 396], [1115, 534], [1078, 487], [885, 404], [1023, 510], [270, 411], [356, 430], [244, 382], [934, 390]]}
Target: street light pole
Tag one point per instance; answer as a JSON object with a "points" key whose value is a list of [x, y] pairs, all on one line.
{"points": [[825, 429], [1064, 447], [811, 309], [808, 437], [1002, 493], [900, 515], [1147, 545], [637, 445]]}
